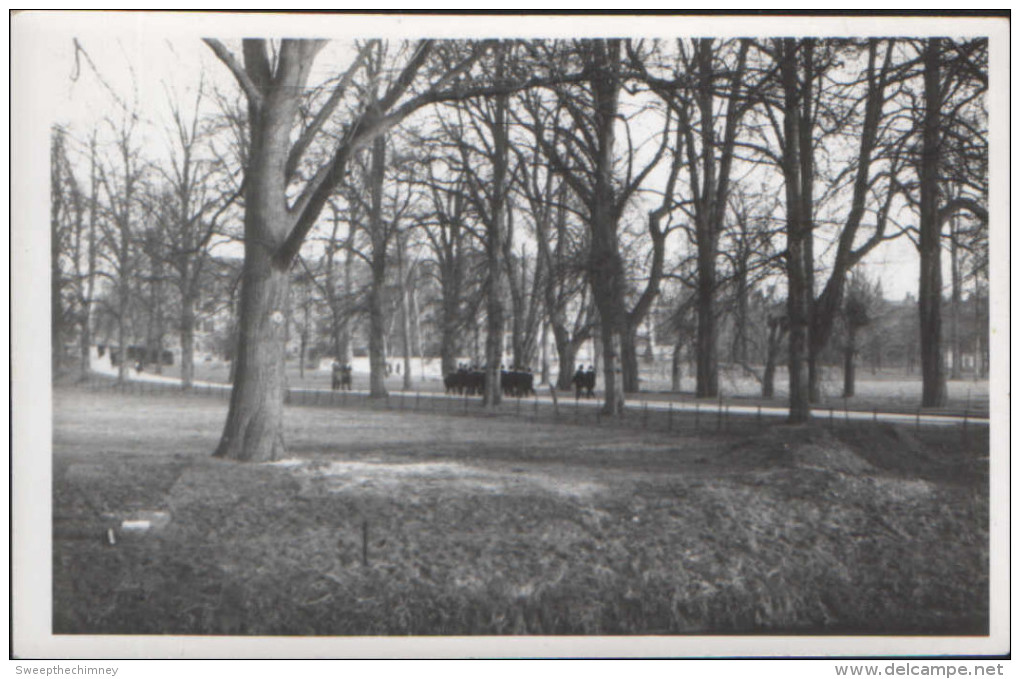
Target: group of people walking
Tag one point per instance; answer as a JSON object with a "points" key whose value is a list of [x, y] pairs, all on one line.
{"points": [[341, 376], [584, 382]]}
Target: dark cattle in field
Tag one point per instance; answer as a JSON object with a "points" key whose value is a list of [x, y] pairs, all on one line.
{"points": [[517, 383], [465, 381]]}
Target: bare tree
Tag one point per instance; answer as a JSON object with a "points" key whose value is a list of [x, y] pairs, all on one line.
{"points": [[561, 243], [801, 65], [859, 308], [481, 137], [586, 160], [121, 182], [446, 234], [701, 75], [276, 227], [948, 91], [199, 192]]}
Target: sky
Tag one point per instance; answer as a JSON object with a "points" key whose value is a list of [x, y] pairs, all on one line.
{"points": [[146, 57]]}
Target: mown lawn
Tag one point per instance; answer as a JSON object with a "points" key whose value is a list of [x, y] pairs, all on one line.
{"points": [[502, 526]]}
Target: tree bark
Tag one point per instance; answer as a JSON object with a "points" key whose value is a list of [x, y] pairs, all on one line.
{"points": [[933, 391], [629, 360], [605, 264], [56, 276], [798, 294], [775, 340], [187, 340], [707, 348], [406, 284], [545, 353], [710, 201], [93, 255], [494, 247], [254, 427], [566, 354], [676, 371], [379, 238], [848, 362], [955, 308], [449, 335]]}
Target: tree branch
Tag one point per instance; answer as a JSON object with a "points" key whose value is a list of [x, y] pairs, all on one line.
{"points": [[243, 79]]}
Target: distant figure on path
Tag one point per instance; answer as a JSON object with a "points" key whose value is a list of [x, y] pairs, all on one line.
{"points": [[578, 382], [336, 375], [589, 381]]}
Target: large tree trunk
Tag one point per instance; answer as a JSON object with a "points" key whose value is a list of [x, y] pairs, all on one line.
{"points": [[405, 314], [806, 167], [711, 204], [933, 392], [449, 334], [376, 314], [254, 428], [979, 329], [56, 278], [90, 275], [955, 308], [85, 340], [339, 301], [517, 302], [154, 344], [122, 335], [707, 349], [416, 317], [768, 379], [775, 340], [676, 369], [797, 231], [739, 349], [629, 360], [605, 264], [494, 316], [187, 340], [345, 350], [797, 309], [303, 353], [376, 335], [494, 342], [612, 373], [494, 249], [545, 354], [848, 362], [566, 354]]}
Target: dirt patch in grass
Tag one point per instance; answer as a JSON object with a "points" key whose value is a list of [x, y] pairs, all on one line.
{"points": [[389, 523]]}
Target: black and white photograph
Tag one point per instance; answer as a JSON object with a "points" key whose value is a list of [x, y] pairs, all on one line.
{"points": [[431, 335]]}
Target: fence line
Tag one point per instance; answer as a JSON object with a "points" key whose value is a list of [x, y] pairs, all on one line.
{"points": [[682, 421]]}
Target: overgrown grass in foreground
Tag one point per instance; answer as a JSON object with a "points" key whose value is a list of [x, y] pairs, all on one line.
{"points": [[478, 526]]}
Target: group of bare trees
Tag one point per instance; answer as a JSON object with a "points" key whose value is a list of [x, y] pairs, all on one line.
{"points": [[574, 190], [131, 236]]}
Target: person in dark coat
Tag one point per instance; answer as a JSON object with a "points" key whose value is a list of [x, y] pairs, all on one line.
{"points": [[336, 375], [578, 381]]}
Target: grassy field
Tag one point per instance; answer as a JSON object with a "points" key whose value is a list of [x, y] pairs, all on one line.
{"points": [[401, 523]]}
